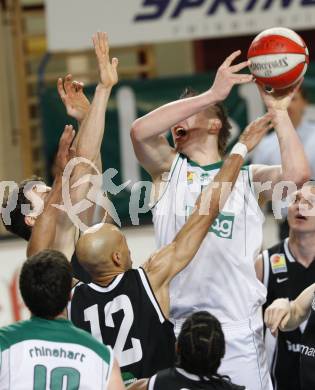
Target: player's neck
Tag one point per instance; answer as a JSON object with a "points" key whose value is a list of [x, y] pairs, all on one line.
{"points": [[105, 279], [302, 246], [204, 154]]}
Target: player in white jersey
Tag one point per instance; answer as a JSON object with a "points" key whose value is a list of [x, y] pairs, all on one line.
{"points": [[221, 278], [48, 351]]}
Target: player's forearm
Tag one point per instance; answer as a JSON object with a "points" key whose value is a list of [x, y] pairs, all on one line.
{"points": [[295, 166], [300, 308], [297, 316], [91, 131], [44, 230], [163, 118]]}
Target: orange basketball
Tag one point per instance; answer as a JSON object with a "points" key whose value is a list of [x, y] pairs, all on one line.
{"points": [[279, 57]]}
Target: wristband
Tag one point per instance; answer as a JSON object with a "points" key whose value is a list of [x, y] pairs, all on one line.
{"points": [[240, 149]]}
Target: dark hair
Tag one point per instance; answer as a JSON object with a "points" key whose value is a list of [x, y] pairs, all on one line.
{"points": [[201, 345], [18, 225], [45, 283], [221, 113]]}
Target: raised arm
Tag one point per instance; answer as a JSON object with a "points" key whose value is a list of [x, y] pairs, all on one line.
{"points": [[91, 131], [171, 259], [92, 125], [147, 133], [52, 219], [285, 315], [294, 165]]}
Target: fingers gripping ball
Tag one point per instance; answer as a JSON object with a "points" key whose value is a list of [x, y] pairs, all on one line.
{"points": [[279, 57]]}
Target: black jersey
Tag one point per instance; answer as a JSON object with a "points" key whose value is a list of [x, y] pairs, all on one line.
{"points": [[284, 277], [178, 379], [307, 353], [126, 315]]}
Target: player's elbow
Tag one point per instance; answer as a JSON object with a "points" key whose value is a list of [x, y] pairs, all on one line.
{"points": [[298, 176], [137, 132], [306, 175]]}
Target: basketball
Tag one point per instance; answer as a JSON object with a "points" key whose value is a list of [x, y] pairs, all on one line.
{"points": [[279, 57]]}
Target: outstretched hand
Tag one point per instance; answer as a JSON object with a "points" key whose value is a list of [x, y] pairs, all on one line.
{"points": [[227, 76], [72, 96], [255, 131], [66, 150], [107, 68], [279, 99]]}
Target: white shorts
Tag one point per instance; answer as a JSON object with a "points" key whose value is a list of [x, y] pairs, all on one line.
{"points": [[245, 360]]}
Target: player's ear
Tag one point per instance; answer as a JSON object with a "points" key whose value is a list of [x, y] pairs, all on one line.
{"points": [[215, 125], [29, 220], [116, 257]]}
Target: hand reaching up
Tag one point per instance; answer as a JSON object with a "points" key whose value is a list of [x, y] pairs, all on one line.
{"points": [[73, 97], [107, 68]]}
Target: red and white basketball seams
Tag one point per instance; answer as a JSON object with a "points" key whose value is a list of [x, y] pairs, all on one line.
{"points": [[279, 57]]}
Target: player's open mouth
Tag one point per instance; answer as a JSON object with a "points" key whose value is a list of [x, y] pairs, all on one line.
{"points": [[300, 217], [180, 132]]}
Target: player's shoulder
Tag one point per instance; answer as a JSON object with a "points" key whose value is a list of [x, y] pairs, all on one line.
{"points": [[276, 249], [15, 333], [85, 339], [226, 384]]}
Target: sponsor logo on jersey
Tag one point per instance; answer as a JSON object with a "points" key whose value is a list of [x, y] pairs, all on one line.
{"points": [[278, 263], [223, 225], [308, 351], [190, 177], [292, 347], [204, 178], [281, 280]]}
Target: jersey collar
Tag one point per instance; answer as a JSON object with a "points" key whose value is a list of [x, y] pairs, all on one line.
{"points": [[288, 252], [109, 287], [208, 167], [189, 375]]}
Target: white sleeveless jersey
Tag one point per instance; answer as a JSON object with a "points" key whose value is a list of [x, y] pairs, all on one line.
{"points": [[43, 354], [221, 278]]}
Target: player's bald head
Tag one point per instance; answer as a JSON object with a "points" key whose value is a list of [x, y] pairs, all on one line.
{"points": [[101, 248]]}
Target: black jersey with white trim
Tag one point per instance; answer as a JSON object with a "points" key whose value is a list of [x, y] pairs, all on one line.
{"points": [[284, 277], [126, 315], [307, 353], [178, 379]]}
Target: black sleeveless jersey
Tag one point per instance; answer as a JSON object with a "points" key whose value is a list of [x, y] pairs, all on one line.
{"points": [[284, 277], [307, 353], [126, 315], [178, 379]]}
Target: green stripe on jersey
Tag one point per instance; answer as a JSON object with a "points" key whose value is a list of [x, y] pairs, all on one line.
{"points": [[59, 330], [211, 167]]}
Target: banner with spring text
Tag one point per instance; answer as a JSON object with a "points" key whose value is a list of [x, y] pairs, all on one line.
{"points": [[71, 23]]}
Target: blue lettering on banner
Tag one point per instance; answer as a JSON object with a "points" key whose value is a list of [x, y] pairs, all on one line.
{"points": [[185, 4], [160, 7], [285, 3], [228, 4], [157, 8]]}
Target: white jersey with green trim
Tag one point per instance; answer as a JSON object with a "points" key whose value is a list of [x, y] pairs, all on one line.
{"points": [[221, 278], [44, 354]]}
